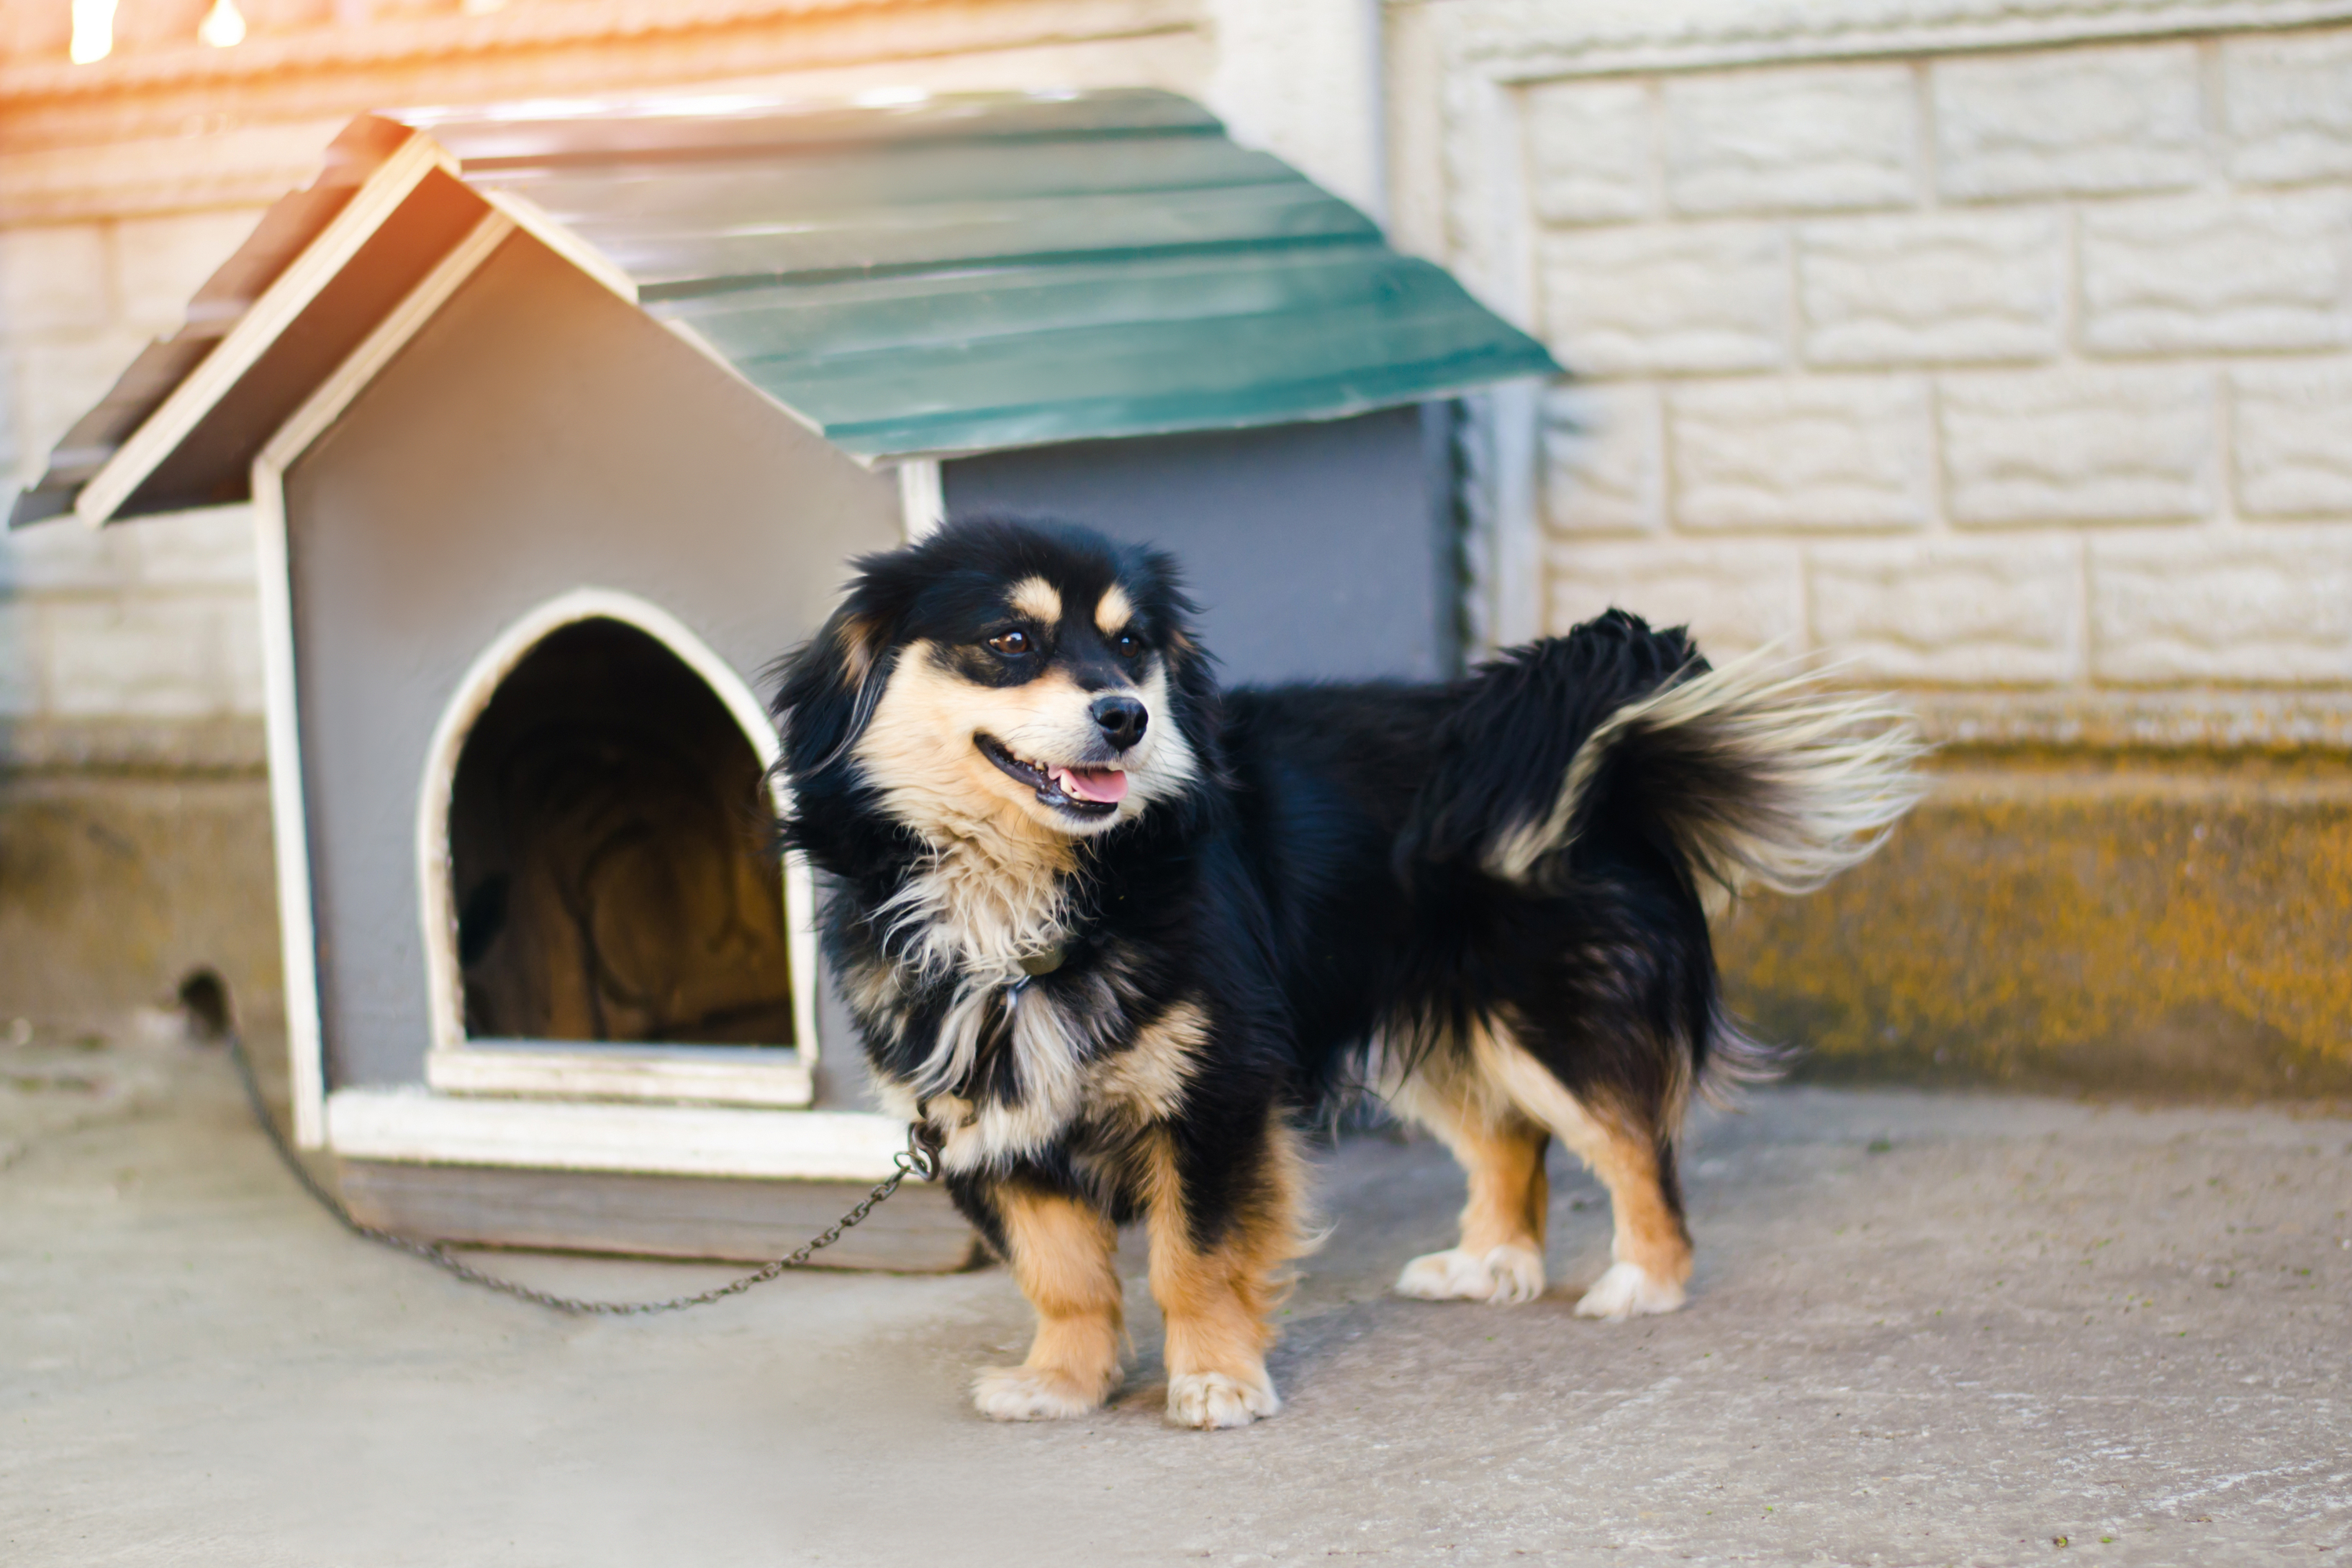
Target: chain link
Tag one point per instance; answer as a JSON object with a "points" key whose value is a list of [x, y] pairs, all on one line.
{"points": [[918, 1158]]}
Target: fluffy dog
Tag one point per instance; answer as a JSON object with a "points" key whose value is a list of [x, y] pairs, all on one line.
{"points": [[1113, 935]]}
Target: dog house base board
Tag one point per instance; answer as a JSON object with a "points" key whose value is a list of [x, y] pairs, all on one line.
{"points": [[740, 1143], [917, 1231]]}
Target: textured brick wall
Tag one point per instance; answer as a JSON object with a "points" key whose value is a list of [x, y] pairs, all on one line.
{"points": [[2028, 370], [147, 624], [2018, 369]]}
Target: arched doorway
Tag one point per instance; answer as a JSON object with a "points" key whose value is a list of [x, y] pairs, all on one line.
{"points": [[610, 845], [599, 871]]}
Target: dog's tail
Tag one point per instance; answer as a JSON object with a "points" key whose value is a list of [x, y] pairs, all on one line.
{"points": [[1754, 773]]}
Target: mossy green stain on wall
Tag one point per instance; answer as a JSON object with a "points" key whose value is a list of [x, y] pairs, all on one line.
{"points": [[112, 888], [2041, 921], [2174, 926]]}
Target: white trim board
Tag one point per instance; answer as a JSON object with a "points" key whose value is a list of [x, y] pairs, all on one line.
{"points": [[651, 1075], [261, 325], [922, 498], [298, 933], [415, 1126], [289, 829], [333, 396], [533, 219], [1507, 518], [1506, 544], [562, 1069]]}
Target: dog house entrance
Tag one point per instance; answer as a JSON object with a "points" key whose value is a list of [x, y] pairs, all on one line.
{"points": [[612, 856]]}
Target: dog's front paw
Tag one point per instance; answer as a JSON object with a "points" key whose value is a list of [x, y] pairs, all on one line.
{"points": [[1212, 1399], [1629, 1290], [1505, 1276], [1031, 1393]]}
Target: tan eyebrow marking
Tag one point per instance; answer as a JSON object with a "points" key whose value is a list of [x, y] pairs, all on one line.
{"points": [[1035, 597], [861, 638], [1113, 610]]}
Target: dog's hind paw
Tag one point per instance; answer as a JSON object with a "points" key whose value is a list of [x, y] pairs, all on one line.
{"points": [[1030, 1394], [1505, 1276], [1212, 1399], [1629, 1290]]}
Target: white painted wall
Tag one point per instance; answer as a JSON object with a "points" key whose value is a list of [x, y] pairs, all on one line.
{"points": [[1302, 79], [2021, 370]]}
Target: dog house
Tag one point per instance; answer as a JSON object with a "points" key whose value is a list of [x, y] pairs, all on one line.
{"points": [[559, 422]]}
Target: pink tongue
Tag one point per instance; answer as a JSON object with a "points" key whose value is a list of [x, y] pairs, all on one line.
{"points": [[1104, 784]]}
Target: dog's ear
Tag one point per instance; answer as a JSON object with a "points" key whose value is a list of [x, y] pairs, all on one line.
{"points": [[1191, 670], [831, 682]]}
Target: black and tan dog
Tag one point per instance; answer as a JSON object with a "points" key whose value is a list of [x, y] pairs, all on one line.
{"points": [[1114, 933]]}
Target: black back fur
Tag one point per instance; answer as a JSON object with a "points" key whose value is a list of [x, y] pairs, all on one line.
{"points": [[1323, 881]]}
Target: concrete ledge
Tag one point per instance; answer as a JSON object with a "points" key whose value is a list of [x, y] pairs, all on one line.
{"points": [[2208, 721], [2144, 924], [231, 744], [112, 888]]}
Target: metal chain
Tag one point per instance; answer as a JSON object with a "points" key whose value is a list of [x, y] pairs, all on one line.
{"points": [[918, 1158]]}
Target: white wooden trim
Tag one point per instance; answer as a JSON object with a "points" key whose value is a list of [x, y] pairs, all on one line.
{"points": [[414, 1126], [288, 821], [922, 502], [534, 220], [654, 1076], [298, 933], [1373, 42], [1506, 507], [360, 366], [260, 326], [1515, 428], [709, 1075]]}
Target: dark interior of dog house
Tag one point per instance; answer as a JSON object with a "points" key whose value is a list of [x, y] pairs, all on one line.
{"points": [[611, 847]]}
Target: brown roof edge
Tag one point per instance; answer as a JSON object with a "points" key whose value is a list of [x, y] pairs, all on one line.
{"points": [[284, 231], [210, 461]]}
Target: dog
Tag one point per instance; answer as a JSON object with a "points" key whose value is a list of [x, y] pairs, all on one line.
{"points": [[1114, 935]]}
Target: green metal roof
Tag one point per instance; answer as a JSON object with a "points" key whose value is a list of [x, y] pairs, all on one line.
{"points": [[943, 275], [964, 274]]}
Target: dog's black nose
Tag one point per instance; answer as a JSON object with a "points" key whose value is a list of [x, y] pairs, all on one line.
{"points": [[1122, 720]]}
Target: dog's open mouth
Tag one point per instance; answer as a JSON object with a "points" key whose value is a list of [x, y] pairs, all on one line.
{"points": [[1080, 790]]}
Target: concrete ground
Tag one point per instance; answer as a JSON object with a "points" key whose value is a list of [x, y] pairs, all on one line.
{"points": [[1925, 1329]]}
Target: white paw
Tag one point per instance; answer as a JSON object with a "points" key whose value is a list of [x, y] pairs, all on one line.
{"points": [[1210, 1399], [1030, 1393], [1505, 1276], [1518, 1274], [1628, 1290]]}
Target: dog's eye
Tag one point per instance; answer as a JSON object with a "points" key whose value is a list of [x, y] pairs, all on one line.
{"points": [[1009, 643], [1128, 644]]}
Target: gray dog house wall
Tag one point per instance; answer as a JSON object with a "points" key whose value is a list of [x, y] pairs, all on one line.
{"points": [[559, 430]]}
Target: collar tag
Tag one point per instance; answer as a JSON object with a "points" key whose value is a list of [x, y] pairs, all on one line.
{"points": [[1037, 963]]}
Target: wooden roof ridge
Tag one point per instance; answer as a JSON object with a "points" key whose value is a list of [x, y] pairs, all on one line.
{"points": [[920, 277]]}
